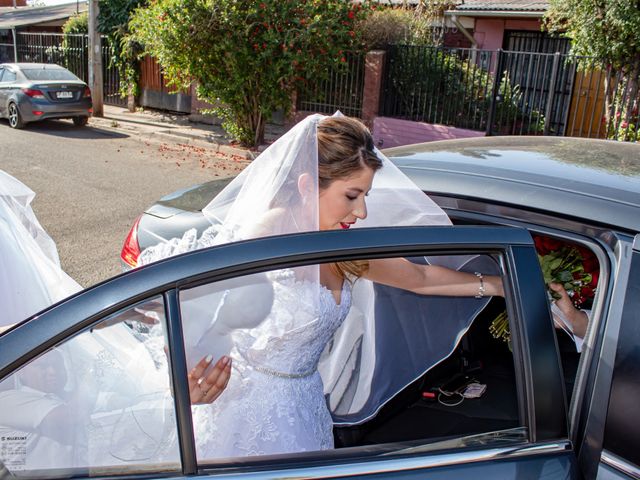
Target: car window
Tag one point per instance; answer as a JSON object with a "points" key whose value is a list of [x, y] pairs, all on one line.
{"points": [[1, 72], [98, 403], [9, 76], [39, 74], [305, 379], [622, 436]]}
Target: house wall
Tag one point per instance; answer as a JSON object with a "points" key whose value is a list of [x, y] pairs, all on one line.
{"points": [[41, 29], [9, 3], [489, 32], [456, 39]]}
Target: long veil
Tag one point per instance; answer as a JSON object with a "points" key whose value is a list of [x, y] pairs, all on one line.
{"points": [[390, 337], [106, 373], [30, 278]]}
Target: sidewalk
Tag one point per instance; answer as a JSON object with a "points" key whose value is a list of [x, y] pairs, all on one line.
{"points": [[156, 125]]}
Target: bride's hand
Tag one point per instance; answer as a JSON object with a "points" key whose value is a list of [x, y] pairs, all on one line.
{"points": [[206, 387], [578, 319]]}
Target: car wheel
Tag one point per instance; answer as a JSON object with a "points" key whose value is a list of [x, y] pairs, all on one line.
{"points": [[80, 121], [15, 120]]}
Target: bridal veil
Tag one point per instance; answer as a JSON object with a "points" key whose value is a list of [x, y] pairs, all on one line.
{"points": [[390, 337]]}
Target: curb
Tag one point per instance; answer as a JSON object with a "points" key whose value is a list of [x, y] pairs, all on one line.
{"points": [[171, 134]]}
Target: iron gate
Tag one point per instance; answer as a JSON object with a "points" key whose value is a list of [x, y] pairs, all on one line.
{"points": [[72, 52], [535, 61]]}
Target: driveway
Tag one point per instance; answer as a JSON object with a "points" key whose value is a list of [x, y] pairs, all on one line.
{"points": [[92, 183]]}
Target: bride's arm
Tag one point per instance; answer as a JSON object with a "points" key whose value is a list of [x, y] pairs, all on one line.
{"points": [[431, 279]]}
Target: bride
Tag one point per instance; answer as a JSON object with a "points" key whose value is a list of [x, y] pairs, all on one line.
{"points": [[308, 356]]}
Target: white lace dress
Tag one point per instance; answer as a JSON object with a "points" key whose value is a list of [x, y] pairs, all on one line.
{"points": [[274, 402]]}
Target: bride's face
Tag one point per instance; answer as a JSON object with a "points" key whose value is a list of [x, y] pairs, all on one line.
{"points": [[342, 203]]}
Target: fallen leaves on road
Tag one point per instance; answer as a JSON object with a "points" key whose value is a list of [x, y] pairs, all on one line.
{"points": [[222, 164]]}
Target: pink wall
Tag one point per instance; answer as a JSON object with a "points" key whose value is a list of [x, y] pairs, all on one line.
{"points": [[393, 132], [489, 32]]}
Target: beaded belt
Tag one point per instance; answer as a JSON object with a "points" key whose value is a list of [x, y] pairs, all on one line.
{"points": [[275, 373]]}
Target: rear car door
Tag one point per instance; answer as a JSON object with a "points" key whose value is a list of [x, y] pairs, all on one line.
{"points": [[131, 392], [612, 437]]}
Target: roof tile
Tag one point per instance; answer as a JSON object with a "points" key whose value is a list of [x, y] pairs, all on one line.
{"points": [[504, 5]]}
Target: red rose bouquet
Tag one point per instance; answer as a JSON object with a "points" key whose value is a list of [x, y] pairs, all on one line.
{"points": [[571, 265]]}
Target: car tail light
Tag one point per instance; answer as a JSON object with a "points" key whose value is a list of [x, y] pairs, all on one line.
{"points": [[131, 250], [37, 112], [33, 93], [87, 92]]}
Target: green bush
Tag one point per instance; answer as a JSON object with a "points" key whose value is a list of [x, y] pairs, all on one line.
{"points": [[76, 25], [113, 22], [386, 26], [74, 46], [248, 56]]}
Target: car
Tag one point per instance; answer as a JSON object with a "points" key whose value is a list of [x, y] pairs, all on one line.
{"points": [[32, 92], [546, 411]]}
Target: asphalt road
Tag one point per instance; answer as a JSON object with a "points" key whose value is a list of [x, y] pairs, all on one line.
{"points": [[92, 183]]}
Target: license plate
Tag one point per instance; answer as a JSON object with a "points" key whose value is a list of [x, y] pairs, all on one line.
{"points": [[64, 94]]}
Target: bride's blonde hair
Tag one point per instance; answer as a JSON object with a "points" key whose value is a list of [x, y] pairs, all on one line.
{"points": [[345, 146]]}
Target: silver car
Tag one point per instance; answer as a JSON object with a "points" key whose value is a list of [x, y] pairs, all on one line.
{"points": [[30, 92]]}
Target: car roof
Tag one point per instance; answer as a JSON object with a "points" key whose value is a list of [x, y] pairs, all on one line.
{"points": [[44, 66], [587, 179]]}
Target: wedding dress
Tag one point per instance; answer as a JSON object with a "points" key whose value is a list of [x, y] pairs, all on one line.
{"points": [[274, 402]]}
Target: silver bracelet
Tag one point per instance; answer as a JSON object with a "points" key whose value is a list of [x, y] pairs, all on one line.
{"points": [[481, 288]]}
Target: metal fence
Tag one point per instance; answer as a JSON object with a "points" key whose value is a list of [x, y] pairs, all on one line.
{"points": [[6, 53], [72, 52], [342, 90], [511, 93], [437, 85]]}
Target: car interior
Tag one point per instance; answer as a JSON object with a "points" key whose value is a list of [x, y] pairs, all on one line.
{"points": [[434, 408], [437, 407]]}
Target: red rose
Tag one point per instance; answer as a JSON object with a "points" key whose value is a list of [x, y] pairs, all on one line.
{"points": [[589, 263], [594, 279], [552, 244], [586, 292], [540, 246], [351, 14]]}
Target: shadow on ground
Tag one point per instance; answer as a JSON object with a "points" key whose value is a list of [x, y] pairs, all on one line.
{"points": [[66, 129]]}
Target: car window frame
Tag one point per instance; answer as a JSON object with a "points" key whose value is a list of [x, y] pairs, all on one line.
{"points": [[601, 240], [596, 399], [169, 276], [609, 456]]}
